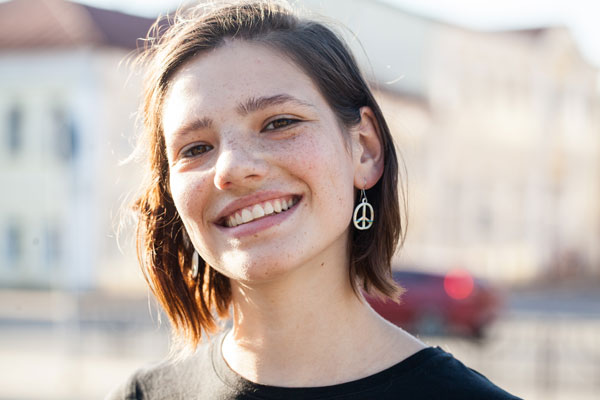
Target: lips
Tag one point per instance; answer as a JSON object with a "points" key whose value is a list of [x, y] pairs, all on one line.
{"points": [[259, 210]]}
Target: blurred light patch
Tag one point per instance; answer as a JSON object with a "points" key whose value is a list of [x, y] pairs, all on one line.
{"points": [[458, 284]]}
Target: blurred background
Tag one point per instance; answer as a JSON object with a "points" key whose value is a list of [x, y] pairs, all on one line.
{"points": [[495, 107]]}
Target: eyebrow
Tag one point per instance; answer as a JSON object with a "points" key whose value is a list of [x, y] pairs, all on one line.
{"points": [[250, 105], [194, 125], [260, 103]]}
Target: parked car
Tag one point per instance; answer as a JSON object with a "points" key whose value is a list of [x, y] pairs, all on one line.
{"points": [[454, 303]]}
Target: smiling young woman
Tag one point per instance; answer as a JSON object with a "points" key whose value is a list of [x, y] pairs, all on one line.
{"points": [[262, 139]]}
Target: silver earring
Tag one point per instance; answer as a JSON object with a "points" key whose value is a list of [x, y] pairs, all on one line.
{"points": [[363, 213], [195, 264]]}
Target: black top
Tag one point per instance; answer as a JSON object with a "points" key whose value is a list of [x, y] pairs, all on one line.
{"points": [[428, 374]]}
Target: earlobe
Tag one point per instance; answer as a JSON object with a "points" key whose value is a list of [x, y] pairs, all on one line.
{"points": [[369, 150]]}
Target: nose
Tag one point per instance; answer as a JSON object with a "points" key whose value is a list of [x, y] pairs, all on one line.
{"points": [[240, 165]]}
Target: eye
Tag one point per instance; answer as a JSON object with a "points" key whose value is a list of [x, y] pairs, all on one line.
{"points": [[280, 123], [195, 150]]}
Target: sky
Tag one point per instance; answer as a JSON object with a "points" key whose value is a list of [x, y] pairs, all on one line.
{"points": [[581, 16]]}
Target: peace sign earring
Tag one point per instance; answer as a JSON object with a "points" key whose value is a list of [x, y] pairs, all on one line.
{"points": [[363, 213]]}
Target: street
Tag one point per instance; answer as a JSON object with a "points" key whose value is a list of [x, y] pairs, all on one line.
{"points": [[46, 353]]}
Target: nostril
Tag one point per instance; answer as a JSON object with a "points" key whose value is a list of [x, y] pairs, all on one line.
{"points": [[238, 166], [221, 183], [224, 181]]}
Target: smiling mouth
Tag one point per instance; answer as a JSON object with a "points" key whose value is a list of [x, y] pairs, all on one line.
{"points": [[259, 210]]}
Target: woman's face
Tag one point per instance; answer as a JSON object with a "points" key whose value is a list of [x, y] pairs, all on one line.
{"points": [[260, 170]]}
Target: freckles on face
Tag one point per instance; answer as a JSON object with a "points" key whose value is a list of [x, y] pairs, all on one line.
{"points": [[244, 126]]}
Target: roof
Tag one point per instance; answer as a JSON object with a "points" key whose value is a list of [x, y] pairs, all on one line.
{"points": [[59, 23], [533, 33]]}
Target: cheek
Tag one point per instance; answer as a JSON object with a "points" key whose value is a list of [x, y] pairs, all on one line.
{"points": [[316, 147], [188, 196], [326, 165]]}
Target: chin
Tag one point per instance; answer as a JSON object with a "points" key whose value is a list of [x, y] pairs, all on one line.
{"points": [[241, 267]]}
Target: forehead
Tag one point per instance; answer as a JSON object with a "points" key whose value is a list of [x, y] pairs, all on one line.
{"points": [[219, 80]]}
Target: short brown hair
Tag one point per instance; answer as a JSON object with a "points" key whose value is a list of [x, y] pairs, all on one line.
{"points": [[164, 249]]}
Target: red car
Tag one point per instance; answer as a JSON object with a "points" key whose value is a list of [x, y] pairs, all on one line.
{"points": [[454, 303]]}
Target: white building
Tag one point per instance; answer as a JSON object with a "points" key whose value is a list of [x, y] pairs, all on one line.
{"points": [[65, 122], [500, 133], [501, 136]]}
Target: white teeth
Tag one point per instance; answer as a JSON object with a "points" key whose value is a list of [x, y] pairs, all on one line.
{"points": [[268, 208], [257, 211], [246, 216]]}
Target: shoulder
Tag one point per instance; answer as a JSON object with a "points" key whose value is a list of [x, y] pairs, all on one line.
{"points": [[437, 373], [168, 379]]}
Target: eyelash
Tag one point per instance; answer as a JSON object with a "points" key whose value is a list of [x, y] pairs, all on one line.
{"points": [[187, 152], [289, 122]]}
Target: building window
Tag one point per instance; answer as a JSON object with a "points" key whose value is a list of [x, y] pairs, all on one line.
{"points": [[52, 245], [484, 219], [15, 129], [66, 135], [14, 243]]}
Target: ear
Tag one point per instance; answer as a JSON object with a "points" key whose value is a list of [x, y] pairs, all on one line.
{"points": [[367, 150]]}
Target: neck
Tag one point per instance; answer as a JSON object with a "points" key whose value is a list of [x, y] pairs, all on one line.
{"points": [[293, 305], [313, 317]]}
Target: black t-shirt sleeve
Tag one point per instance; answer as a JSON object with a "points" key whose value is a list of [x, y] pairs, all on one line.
{"points": [[441, 376], [129, 390]]}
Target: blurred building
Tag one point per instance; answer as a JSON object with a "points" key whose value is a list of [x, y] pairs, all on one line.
{"points": [[500, 132], [66, 120], [501, 136]]}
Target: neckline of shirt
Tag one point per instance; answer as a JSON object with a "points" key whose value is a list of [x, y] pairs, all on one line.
{"points": [[232, 379]]}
